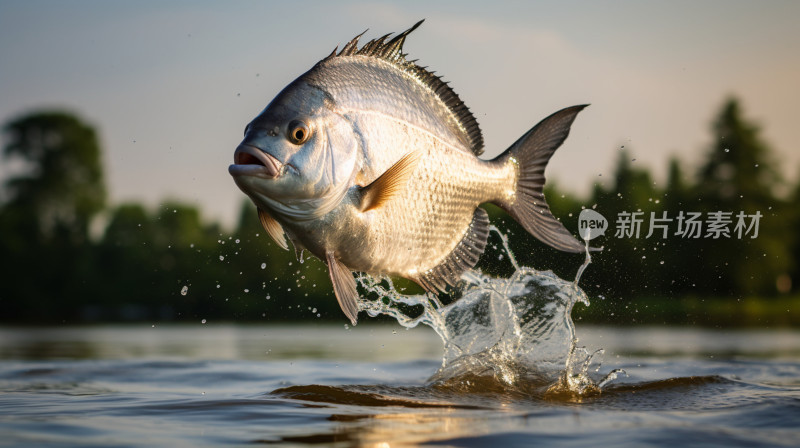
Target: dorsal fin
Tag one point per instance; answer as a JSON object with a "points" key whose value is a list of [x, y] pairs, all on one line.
{"points": [[392, 51]]}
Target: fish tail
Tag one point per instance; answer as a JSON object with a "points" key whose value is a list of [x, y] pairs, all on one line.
{"points": [[531, 153]]}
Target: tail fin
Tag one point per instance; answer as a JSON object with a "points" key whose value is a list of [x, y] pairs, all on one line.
{"points": [[531, 153]]}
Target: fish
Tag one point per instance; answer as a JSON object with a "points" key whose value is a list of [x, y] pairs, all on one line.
{"points": [[371, 163]]}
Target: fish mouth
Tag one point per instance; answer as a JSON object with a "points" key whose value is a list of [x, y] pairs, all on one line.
{"points": [[249, 160]]}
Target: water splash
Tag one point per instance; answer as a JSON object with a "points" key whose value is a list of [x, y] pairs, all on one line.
{"points": [[514, 331]]}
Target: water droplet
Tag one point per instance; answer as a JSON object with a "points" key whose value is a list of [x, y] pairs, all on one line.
{"points": [[184, 290], [314, 310], [203, 321], [221, 258], [727, 150], [237, 240], [263, 265], [246, 290]]}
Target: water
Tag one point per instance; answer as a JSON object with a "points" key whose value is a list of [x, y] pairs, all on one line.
{"points": [[508, 368], [200, 385]]}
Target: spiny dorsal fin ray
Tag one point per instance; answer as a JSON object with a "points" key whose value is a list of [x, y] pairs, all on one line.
{"points": [[350, 48], [344, 286], [390, 183], [392, 51], [273, 228], [464, 256]]}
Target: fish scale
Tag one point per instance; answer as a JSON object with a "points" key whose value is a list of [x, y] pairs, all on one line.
{"points": [[443, 193], [370, 162]]}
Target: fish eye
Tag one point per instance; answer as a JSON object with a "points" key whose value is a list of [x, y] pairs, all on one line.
{"points": [[298, 132]]}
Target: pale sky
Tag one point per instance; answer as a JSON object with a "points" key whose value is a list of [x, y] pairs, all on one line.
{"points": [[170, 85]]}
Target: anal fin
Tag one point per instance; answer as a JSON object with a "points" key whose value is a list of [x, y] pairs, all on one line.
{"points": [[273, 228], [463, 257], [344, 286]]}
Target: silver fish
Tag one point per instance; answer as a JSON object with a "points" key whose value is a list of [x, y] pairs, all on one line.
{"points": [[370, 162]]}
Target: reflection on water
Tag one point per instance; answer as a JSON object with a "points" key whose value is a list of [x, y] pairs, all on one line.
{"points": [[207, 341], [364, 342]]}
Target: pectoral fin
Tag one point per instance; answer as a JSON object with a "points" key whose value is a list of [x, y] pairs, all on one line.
{"points": [[344, 286], [273, 228], [390, 183]]}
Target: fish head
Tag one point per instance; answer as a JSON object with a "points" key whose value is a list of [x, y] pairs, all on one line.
{"points": [[299, 156]]}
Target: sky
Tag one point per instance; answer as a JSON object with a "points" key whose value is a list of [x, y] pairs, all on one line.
{"points": [[170, 85]]}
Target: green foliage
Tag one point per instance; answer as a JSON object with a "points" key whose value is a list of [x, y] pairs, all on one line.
{"points": [[168, 263], [62, 187], [45, 252], [737, 175]]}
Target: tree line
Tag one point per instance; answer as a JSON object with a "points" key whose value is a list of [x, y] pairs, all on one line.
{"points": [[671, 253]]}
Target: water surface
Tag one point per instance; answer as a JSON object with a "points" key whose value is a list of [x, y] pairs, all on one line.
{"points": [[369, 386]]}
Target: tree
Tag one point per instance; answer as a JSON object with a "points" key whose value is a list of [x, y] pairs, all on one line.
{"points": [[739, 175], [739, 168], [44, 247], [61, 188]]}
